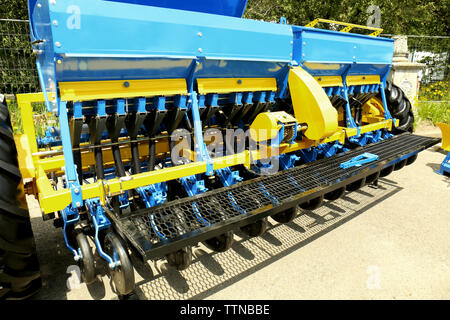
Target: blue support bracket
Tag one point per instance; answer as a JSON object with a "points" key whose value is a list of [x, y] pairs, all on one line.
{"points": [[71, 174], [359, 140], [329, 149], [287, 161], [228, 177], [70, 217], [52, 137], [387, 114], [344, 93], [123, 200], [309, 154], [200, 145], [282, 82], [445, 166], [100, 222], [120, 107], [358, 161]]}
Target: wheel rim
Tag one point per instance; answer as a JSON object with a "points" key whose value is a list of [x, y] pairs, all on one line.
{"points": [[87, 262], [123, 275]]}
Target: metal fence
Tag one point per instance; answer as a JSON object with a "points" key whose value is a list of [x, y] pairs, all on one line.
{"points": [[17, 63], [18, 70], [434, 52]]}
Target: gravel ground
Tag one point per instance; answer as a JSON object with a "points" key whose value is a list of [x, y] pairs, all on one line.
{"points": [[390, 242]]}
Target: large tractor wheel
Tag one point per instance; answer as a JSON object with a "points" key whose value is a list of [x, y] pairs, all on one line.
{"points": [[19, 266], [400, 107]]}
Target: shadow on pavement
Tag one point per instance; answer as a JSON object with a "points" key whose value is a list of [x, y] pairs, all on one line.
{"points": [[210, 272], [248, 255]]}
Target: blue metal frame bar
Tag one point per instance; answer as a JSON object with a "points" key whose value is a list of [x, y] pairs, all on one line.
{"points": [[71, 173]]}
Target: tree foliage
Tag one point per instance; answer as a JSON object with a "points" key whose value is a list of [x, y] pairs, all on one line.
{"points": [[411, 17], [13, 9]]}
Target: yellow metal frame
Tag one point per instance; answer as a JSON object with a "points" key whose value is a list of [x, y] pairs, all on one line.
{"points": [[348, 26], [363, 80], [34, 164], [336, 81], [330, 81], [226, 85], [112, 89]]}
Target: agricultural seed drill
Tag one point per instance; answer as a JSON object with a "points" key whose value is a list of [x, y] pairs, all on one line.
{"points": [[180, 122]]}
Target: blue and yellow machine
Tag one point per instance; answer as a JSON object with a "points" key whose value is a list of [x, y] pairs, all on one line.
{"points": [[297, 114]]}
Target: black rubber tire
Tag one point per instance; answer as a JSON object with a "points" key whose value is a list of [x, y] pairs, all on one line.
{"points": [[393, 94], [180, 259], [285, 216], [312, 204], [402, 110], [86, 264], [123, 275], [19, 267], [335, 194], [406, 124], [386, 171], [400, 107], [353, 186], [256, 229], [220, 243], [411, 159]]}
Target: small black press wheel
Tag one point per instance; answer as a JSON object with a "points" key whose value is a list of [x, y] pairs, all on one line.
{"points": [[411, 160], [180, 259], [373, 177], [335, 194], [285, 216], [312, 204], [86, 263], [220, 243], [386, 171], [255, 229], [122, 275], [353, 186], [400, 165]]}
